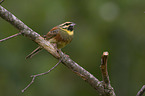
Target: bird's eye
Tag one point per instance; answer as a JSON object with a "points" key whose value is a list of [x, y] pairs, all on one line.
{"points": [[70, 28]]}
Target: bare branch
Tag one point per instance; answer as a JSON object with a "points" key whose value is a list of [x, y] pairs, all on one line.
{"points": [[81, 72], [10, 37], [141, 91], [34, 76], [106, 82], [103, 67]]}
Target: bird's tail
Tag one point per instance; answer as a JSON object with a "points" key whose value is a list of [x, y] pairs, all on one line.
{"points": [[34, 52]]}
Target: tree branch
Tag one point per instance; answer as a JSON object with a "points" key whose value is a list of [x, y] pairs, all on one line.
{"points": [[10, 37], [103, 67], [28, 32], [141, 91], [34, 76], [105, 76]]}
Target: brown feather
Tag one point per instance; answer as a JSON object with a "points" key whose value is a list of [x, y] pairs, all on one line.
{"points": [[53, 32]]}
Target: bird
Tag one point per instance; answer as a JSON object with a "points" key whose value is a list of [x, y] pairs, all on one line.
{"points": [[59, 36]]}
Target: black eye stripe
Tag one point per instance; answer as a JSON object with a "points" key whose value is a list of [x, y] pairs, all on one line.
{"points": [[67, 24]]}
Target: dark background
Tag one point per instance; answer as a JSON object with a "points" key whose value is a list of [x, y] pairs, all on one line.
{"points": [[101, 25]]}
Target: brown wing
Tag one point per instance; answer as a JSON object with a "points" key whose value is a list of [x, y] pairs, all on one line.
{"points": [[52, 33]]}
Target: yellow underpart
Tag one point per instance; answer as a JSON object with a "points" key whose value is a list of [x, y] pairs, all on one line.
{"points": [[69, 32]]}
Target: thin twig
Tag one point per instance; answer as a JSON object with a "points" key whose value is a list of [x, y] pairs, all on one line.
{"points": [[34, 76], [10, 37], [141, 91], [1, 1], [105, 76], [103, 67]]}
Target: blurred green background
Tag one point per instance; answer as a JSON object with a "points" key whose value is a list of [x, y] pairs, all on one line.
{"points": [[101, 25]]}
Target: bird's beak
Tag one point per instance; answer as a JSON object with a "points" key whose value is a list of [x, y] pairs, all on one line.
{"points": [[72, 24]]}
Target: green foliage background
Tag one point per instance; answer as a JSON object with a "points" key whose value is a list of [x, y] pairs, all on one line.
{"points": [[101, 25]]}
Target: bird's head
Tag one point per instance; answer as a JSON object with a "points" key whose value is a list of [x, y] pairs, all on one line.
{"points": [[67, 26]]}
